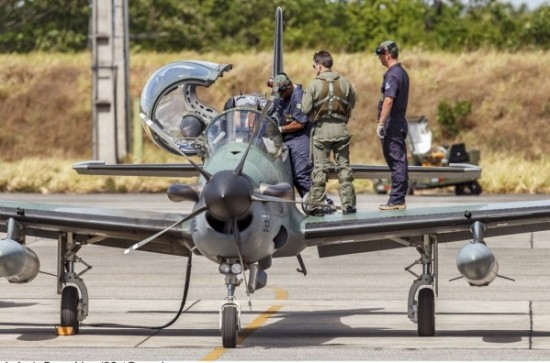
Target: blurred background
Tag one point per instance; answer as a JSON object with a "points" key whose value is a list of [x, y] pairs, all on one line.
{"points": [[479, 73]]}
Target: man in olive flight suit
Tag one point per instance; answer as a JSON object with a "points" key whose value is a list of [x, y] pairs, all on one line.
{"points": [[329, 100]]}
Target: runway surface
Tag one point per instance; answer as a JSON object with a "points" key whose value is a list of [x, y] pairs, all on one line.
{"points": [[346, 308]]}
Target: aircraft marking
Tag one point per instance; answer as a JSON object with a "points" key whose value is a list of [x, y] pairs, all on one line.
{"points": [[280, 294]]}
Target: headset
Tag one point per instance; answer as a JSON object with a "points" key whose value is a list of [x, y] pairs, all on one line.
{"points": [[284, 87]]}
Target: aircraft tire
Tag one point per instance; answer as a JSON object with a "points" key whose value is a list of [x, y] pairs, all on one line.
{"points": [[229, 327], [69, 308], [426, 313]]}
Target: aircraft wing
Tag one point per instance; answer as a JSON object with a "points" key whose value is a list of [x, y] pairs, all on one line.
{"points": [[454, 170], [159, 170], [107, 227], [372, 231], [359, 171]]}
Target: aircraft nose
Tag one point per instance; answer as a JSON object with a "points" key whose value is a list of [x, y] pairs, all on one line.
{"points": [[228, 195]]}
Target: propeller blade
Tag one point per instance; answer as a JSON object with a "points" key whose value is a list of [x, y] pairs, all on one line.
{"points": [[164, 136], [239, 168], [268, 198], [149, 239], [183, 192], [282, 190]]}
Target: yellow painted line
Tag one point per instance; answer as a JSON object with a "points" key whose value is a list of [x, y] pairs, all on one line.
{"points": [[214, 355], [280, 294]]}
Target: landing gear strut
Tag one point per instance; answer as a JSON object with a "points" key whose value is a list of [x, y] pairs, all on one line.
{"points": [[422, 311], [74, 309], [230, 314]]}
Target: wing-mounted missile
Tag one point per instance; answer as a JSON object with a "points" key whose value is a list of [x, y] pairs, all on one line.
{"points": [[18, 263], [475, 261], [170, 100]]}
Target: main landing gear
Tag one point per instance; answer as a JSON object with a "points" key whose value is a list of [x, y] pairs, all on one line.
{"points": [[422, 310], [74, 294]]}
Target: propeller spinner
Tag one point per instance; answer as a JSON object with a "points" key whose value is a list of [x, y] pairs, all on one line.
{"points": [[228, 195]]}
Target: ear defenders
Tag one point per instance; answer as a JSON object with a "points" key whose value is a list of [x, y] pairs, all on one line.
{"points": [[282, 82]]}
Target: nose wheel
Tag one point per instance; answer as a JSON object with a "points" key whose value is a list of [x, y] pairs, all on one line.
{"points": [[230, 314], [230, 326]]}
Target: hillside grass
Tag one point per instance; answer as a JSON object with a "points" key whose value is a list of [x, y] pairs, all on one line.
{"points": [[45, 102]]}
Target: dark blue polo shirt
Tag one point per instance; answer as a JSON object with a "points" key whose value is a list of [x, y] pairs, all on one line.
{"points": [[396, 86], [291, 109]]}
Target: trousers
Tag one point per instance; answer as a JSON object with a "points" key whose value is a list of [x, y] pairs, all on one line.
{"points": [[332, 139], [394, 149]]}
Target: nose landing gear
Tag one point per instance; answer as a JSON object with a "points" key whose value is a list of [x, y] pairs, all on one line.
{"points": [[230, 314]]}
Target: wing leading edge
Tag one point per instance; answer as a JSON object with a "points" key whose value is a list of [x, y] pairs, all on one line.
{"points": [[373, 231], [107, 227], [359, 171], [451, 171], [157, 170]]}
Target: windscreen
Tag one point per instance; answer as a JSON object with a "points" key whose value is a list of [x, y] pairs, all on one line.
{"points": [[238, 125]]}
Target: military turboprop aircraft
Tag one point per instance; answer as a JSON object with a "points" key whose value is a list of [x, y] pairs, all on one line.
{"points": [[244, 212]]}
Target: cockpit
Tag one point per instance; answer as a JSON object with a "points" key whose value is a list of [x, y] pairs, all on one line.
{"points": [[170, 100], [239, 125]]}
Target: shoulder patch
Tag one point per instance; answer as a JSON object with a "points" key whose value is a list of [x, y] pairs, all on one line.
{"points": [[387, 85], [299, 106]]}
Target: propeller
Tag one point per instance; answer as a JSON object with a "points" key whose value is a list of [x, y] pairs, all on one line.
{"points": [[228, 195]]}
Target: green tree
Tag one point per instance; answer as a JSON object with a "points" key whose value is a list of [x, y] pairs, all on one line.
{"points": [[47, 25], [169, 25], [238, 25], [536, 29]]}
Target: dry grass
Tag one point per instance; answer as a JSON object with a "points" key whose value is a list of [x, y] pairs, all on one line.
{"points": [[512, 174], [45, 104], [46, 176]]}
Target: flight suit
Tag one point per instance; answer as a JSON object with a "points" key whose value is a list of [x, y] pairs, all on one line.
{"points": [[396, 85], [329, 100]]}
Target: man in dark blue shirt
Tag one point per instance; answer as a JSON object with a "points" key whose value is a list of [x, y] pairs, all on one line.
{"points": [[392, 125], [295, 129]]}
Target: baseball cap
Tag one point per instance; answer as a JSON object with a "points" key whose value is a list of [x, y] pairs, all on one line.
{"points": [[280, 83], [387, 46]]}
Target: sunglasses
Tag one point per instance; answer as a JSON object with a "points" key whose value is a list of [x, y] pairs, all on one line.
{"points": [[381, 50]]}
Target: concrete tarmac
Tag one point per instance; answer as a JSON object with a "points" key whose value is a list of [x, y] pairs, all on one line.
{"points": [[346, 308]]}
